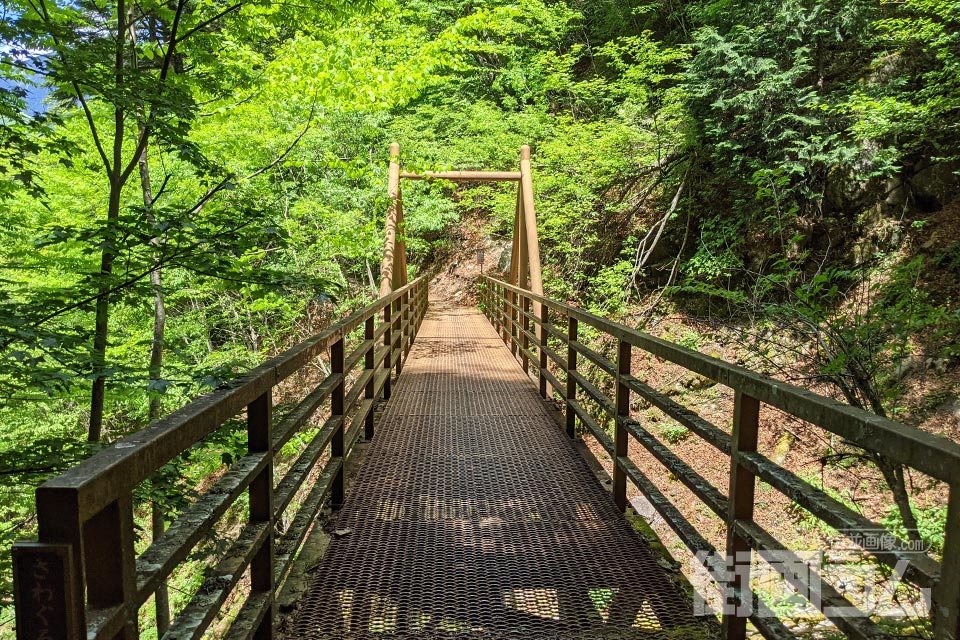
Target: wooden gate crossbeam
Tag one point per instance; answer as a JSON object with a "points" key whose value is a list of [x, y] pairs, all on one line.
{"points": [[465, 176]]}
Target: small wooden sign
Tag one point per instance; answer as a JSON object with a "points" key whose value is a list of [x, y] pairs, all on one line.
{"points": [[42, 591]]}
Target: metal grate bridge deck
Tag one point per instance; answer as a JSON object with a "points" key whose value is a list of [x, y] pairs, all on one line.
{"points": [[473, 515]]}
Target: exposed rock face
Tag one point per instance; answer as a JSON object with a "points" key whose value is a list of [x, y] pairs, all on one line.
{"points": [[503, 264]]}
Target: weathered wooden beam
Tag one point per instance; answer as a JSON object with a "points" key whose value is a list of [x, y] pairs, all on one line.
{"points": [[389, 266], [530, 224], [464, 176]]}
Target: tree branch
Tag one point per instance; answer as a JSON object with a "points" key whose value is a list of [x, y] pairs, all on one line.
{"points": [[205, 23], [94, 132], [164, 260]]}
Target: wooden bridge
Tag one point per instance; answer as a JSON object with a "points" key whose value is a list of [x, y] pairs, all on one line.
{"points": [[472, 513]]}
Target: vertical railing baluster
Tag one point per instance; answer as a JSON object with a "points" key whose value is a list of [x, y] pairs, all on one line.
{"points": [[620, 440], [501, 313], [59, 525], [369, 363], [259, 440], [514, 318], [110, 561], [397, 348], [336, 411], [410, 302], [544, 365], [388, 343], [504, 319], [525, 341], [746, 422], [572, 325], [945, 606], [404, 325], [485, 299]]}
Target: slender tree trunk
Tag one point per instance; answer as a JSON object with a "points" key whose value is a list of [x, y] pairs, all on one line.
{"points": [[108, 255], [155, 372], [373, 283], [892, 471], [896, 479], [101, 325]]}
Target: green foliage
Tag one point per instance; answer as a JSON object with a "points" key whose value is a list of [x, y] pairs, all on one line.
{"points": [[673, 433], [931, 523]]}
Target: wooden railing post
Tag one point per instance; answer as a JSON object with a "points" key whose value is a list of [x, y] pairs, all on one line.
{"points": [[336, 411], [945, 605], [369, 364], [110, 561], [543, 364], [746, 422], [503, 316], [259, 440], [422, 309], [525, 340], [408, 302], [502, 311], [572, 325], [515, 301], [398, 329], [48, 576], [388, 343], [620, 432]]}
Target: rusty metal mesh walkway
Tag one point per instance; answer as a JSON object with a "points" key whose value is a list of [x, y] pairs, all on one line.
{"points": [[474, 515]]}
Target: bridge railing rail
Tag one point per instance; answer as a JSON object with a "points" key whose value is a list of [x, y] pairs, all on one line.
{"points": [[84, 579], [529, 323]]}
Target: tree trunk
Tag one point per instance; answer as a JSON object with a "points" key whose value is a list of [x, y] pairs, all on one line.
{"points": [[155, 372], [98, 353], [116, 179], [892, 471], [895, 478]]}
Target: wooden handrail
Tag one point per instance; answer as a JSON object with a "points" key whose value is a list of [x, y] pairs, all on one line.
{"points": [[83, 578], [508, 306]]}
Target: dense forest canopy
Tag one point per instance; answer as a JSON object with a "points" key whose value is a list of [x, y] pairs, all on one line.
{"points": [[203, 183]]}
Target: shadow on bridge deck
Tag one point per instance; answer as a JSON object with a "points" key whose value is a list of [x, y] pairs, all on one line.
{"points": [[474, 515]]}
